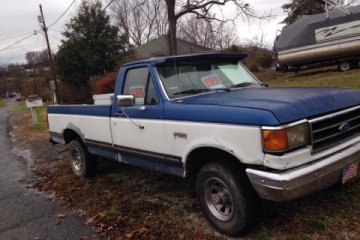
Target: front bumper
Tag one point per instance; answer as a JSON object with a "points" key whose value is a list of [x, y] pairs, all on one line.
{"points": [[304, 180]]}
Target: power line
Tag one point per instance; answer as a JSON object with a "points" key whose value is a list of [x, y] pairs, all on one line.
{"points": [[25, 46], [62, 14], [15, 36], [33, 33], [5, 48], [55, 30]]}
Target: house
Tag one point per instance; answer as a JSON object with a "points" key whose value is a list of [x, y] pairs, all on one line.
{"points": [[159, 47]]}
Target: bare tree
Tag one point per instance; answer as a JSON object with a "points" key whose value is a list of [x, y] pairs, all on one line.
{"points": [[202, 9], [211, 34], [37, 57], [140, 20]]}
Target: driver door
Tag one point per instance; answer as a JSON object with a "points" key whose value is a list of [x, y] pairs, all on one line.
{"points": [[138, 130]]}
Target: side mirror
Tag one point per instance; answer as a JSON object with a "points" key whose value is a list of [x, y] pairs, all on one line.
{"points": [[125, 100]]}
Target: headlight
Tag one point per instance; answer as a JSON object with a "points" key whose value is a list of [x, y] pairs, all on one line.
{"points": [[278, 140]]}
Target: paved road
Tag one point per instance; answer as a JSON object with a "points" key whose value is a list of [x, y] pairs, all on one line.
{"points": [[25, 213]]}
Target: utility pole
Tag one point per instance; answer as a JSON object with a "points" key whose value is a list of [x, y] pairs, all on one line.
{"points": [[34, 69], [44, 28]]}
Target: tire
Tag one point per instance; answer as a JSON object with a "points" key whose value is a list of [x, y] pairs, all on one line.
{"points": [[81, 161], [228, 201], [345, 66]]}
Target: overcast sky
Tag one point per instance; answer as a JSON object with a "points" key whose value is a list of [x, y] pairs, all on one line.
{"points": [[18, 19]]}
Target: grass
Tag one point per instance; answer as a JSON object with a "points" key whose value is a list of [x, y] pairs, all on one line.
{"points": [[113, 211], [349, 79], [2, 102], [41, 125], [21, 106]]}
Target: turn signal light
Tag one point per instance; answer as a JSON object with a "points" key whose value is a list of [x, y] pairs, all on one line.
{"points": [[275, 140]]}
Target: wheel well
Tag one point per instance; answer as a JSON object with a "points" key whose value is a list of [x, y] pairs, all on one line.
{"points": [[200, 156], [70, 135]]}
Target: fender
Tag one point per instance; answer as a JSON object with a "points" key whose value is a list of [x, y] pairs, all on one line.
{"points": [[74, 128], [223, 145]]}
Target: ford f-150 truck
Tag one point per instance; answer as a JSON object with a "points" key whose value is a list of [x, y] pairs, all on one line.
{"points": [[205, 116]]}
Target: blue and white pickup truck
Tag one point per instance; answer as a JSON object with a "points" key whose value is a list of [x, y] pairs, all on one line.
{"points": [[206, 116]]}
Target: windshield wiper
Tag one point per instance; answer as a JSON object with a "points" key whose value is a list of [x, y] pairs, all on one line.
{"points": [[244, 84], [192, 91]]}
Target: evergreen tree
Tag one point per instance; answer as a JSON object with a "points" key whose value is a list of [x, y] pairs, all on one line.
{"points": [[92, 46], [297, 8]]}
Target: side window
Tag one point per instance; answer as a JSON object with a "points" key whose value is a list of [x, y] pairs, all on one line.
{"points": [[139, 84]]}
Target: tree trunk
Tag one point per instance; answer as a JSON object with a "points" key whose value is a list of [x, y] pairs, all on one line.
{"points": [[171, 36]]}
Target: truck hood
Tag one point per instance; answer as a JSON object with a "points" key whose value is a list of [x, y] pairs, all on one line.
{"points": [[287, 104]]}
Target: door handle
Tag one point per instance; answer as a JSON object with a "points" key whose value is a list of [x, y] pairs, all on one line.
{"points": [[124, 115]]}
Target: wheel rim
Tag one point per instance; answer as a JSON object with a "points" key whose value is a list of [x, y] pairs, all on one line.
{"points": [[345, 66], [76, 160], [219, 199]]}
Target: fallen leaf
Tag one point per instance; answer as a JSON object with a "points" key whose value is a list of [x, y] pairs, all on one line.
{"points": [[90, 220], [143, 230], [117, 238], [61, 215], [129, 235], [99, 227]]}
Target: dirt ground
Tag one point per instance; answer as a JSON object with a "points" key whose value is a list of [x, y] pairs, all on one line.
{"points": [[125, 202]]}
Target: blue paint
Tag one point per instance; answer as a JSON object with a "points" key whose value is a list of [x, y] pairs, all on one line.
{"points": [[153, 165], [287, 104], [248, 106], [102, 152], [149, 163], [218, 114], [91, 110]]}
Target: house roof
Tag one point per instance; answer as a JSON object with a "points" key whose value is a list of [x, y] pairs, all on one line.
{"points": [[159, 47]]}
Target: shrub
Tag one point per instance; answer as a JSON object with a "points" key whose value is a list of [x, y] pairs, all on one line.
{"points": [[106, 83], [71, 94], [258, 58]]}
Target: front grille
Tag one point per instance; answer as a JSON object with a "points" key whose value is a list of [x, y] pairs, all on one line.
{"points": [[335, 128]]}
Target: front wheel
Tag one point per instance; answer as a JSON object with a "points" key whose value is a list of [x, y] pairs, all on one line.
{"points": [[82, 162], [229, 203]]}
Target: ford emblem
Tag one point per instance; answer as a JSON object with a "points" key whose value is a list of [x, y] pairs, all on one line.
{"points": [[345, 127]]}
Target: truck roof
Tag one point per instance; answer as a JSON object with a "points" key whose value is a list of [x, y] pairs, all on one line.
{"points": [[207, 56]]}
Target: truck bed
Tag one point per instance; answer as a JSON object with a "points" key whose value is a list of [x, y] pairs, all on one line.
{"points": [[91, 122]]}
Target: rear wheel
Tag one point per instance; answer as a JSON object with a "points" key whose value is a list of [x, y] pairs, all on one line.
{"points": [[229, 203], [345, 66], [82, 162]]}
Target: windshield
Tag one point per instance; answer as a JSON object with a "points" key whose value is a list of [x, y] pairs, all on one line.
{"points": [[182, 80]]}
